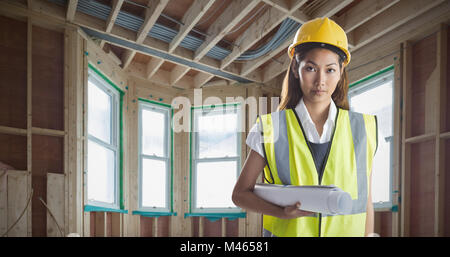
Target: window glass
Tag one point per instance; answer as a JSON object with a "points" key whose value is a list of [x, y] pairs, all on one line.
{"points": [[376, 97], [154, 183], [99, 113]]}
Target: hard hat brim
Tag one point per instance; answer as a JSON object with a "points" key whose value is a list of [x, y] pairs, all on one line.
{"points": [[312, 44]]}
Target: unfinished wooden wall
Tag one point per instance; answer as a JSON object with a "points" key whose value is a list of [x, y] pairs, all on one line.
{"points": [[425, 135], [32, 123]]}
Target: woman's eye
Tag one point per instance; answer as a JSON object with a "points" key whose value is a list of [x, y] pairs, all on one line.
{"points": [[309, 68], [331, 70]]}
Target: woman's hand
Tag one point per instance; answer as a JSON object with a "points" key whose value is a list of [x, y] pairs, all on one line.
{"points": [[293, 211]]}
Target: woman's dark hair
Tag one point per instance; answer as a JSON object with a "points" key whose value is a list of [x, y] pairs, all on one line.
{"points": [[291, 92]]}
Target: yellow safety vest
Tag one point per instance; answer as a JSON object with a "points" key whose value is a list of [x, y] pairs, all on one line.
{"points": [[348, 166]]}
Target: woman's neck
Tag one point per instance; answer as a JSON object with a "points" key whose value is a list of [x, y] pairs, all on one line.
{"points": [[318, 112]]}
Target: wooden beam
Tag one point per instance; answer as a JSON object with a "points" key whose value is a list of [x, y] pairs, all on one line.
{"points": [[13, 131], [127, 57], [190, 19], [232, 15], [250, 66], [290, 8], [177, 73], [201, 78], [151, 15], [71, 9], [331, 8], [396, 15], [259, 28], [442, 62], [44, 11], [387, 45], [273, 69], [406, 133], [162, 77], [153, 66], [115, 8], [362, 12]]}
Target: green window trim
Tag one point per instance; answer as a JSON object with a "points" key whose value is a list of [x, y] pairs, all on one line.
{"points": [[216, 216], [190, 143], [171, 150], [93, 208], [121, 94], [150, 214], [371, 76]]}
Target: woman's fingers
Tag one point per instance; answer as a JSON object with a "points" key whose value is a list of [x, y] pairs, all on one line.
{"points": [[293, 211]]}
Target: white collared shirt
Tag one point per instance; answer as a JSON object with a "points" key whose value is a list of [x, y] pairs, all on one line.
{"points": [[308, 125], [254, 138]]}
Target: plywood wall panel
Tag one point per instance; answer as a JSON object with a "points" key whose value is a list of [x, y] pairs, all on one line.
{"points": [[18, 195], [195, 226], [383, 223], [13, 151], [232, 227], [423, 65], [422, 189], [48, 78], [47, 156], [13, 73], [212, 228], [146, 224], [56, 204], [163, 226]]}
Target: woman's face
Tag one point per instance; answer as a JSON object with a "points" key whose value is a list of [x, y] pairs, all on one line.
{"points": [[319, 73]]}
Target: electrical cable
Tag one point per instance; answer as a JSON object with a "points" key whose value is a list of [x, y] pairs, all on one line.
{"points": [[166, 34], [20, 216], [51, 214]]}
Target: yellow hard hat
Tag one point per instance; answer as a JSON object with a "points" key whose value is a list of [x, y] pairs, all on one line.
{"points": [[321, 30]]}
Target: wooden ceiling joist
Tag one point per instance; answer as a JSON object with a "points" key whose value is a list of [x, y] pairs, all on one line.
{"points": [[152, 13], [273, 69], [248, 67], [190, 19], [71, 9], [116, 5], [365, 22], [232, 15], [259, 28], [363, 12], [331, 8], [396, 15], [115, 8]]}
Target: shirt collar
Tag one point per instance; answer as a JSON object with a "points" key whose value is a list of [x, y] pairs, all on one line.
{"points": [[305, 118]]}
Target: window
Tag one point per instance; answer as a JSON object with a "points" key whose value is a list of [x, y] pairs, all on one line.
{"points": [[103, 143], [155, 162], [376, 96], [215, 157]]}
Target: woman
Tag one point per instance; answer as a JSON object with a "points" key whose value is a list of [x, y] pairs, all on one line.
{"points": [[313, 140]]}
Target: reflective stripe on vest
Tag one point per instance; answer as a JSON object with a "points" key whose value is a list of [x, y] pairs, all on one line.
{"points": [[301, 170]]}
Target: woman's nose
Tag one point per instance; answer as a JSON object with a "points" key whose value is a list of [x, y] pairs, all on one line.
{"points": [[320, 78]]}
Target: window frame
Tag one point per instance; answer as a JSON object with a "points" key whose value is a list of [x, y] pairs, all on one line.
{"points": [[194, 158], [168, 145], [365, 85], [114, 146]]}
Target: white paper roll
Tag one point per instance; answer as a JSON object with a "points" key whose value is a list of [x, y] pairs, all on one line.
{"points": [[329, 200]]}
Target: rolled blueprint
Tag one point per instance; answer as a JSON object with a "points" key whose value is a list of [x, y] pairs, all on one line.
{"points": [[329, 200]]}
